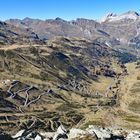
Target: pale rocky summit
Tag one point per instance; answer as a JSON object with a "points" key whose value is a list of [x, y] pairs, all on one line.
{"points": [[130, 15]]}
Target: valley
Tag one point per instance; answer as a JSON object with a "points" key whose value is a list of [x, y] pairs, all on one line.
{"points": [[81, 75], [32, 92]]}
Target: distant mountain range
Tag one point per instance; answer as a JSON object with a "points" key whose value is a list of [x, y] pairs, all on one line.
{"points": [[120, 31], [10, 34]]}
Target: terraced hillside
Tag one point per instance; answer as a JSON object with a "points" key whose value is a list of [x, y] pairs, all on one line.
{"points": [[73, 81]]}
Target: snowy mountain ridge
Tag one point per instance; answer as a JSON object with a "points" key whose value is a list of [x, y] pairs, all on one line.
{"points": [[130, 15]]}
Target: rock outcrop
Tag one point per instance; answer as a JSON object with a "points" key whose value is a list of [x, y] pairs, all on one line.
{"points": [[91, 133]]}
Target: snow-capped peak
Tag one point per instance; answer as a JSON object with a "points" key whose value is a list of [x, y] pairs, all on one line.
{"points": [[108, 16], [132, 15], [111, 15]]}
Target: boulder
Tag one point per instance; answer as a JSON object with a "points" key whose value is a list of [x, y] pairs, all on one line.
{"points": [[101, 133], [19, 134], [75, 133], [133, 135], [28, 134], [48, 135], [61, 133]]}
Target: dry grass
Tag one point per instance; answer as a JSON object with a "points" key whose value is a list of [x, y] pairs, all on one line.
{"points": [[102, 85], [78, 104]]}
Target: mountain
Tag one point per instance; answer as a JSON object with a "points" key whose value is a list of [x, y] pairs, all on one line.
{"points": [[118, 31], [10, 34], [77, 73], [124, 26], [130, 15], [82, 28]]}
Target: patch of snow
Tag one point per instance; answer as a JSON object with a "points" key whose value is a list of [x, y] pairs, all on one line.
{"points": [[113, 17], [38, 138], [19, 134], [124, 41], [107, 17], [61, 130], [87, 32], [6, 82], [108, 44]]}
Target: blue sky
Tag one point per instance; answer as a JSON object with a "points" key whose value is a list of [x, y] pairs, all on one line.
{"points": [[66, 9]]}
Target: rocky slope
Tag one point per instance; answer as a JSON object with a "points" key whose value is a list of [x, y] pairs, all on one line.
{"points": [[60, 81], [10, 34], [90, 133]]}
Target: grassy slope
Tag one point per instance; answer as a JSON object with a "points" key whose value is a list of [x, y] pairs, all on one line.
{"points": [[78, 111]]}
